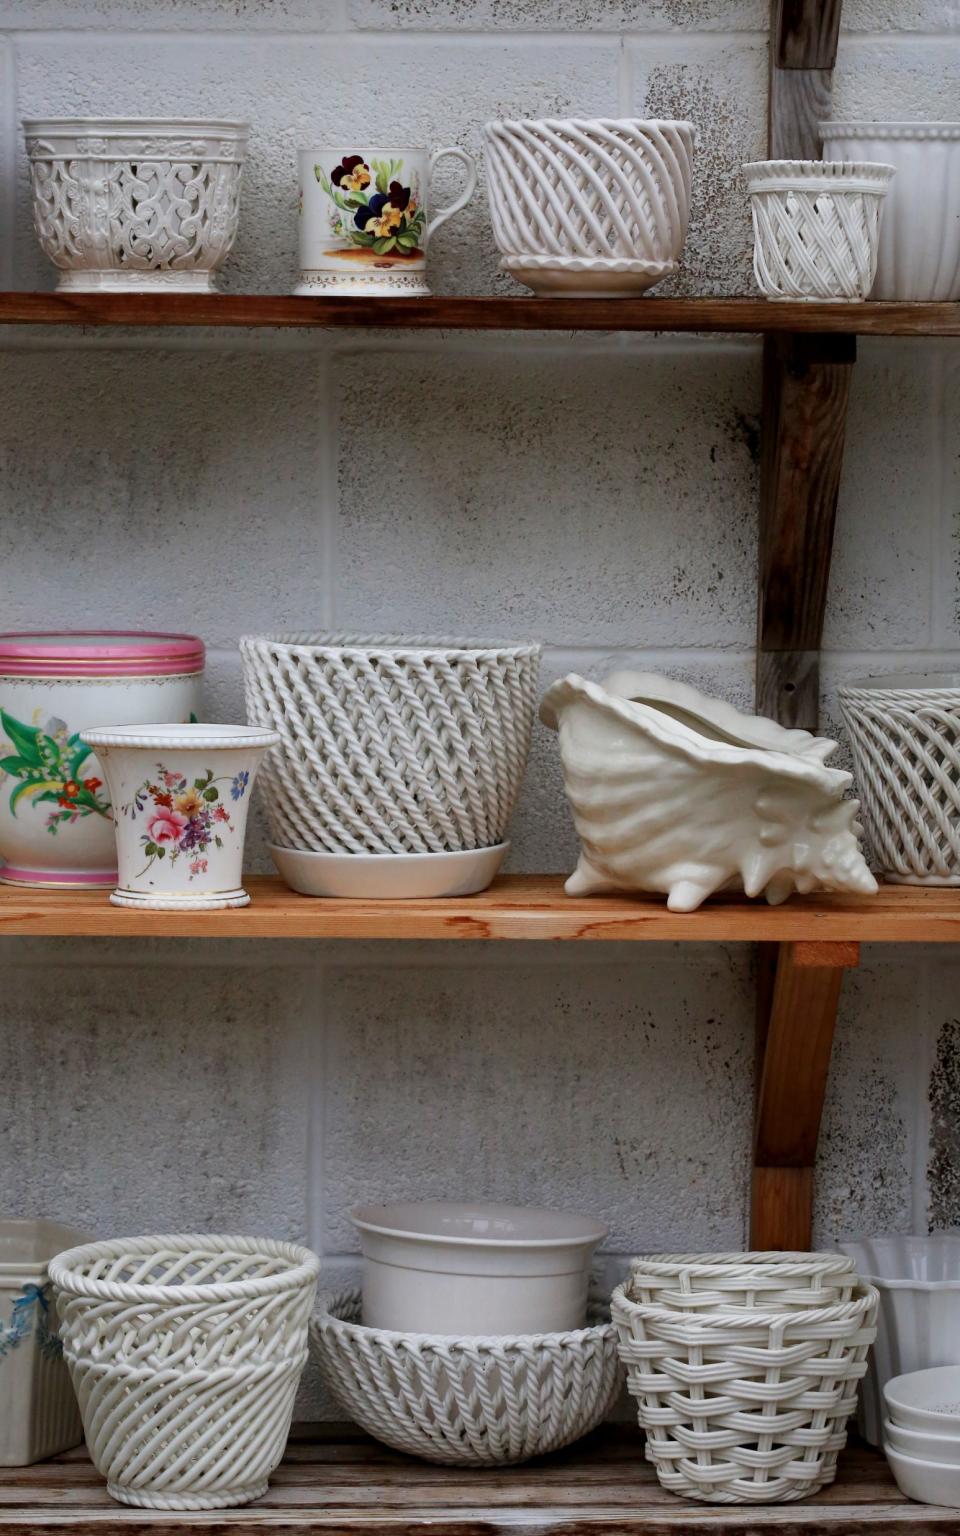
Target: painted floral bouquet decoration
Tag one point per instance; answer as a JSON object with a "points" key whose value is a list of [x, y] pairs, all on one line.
{"points": [[183, 818], [47, 762], [374, 209]]}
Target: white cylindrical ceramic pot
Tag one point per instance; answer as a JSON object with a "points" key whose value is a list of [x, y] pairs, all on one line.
{"points": [[56, 823], [445, 1268], [919, 250], [180, 797], [815, 227], [135, 204]]}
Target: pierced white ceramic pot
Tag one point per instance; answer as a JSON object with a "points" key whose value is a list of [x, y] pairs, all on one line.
{"points": [[815, 227], [135, 204], [919, 247], [180, 797], [56, 823]]}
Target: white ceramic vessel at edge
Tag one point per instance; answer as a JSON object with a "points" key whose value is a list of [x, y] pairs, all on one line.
{"points": [[919, 244], [474, 1269], [925, 1401], [913, 1442], [918, 1319], [180, 796], [927, 1482], [389, 876]]}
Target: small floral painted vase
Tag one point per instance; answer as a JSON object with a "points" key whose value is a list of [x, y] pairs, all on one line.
{"points": [[364, 220], [180, 796]]}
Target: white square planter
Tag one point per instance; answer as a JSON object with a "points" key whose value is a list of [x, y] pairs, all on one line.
{"points": [[39, 1415]]}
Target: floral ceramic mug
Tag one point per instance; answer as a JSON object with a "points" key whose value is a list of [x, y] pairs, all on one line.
{"points": [[364, 224]]}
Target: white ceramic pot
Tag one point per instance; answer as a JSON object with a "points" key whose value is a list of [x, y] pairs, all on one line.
{"points": [[38, 1410], [389, 876], [919, 251], [56, 825], [815, 227], [180, 797], [918, 1323], [914, 1442], [927, 1402], [927, 1482], [444, 1268], [586, 206], [135, 204]]}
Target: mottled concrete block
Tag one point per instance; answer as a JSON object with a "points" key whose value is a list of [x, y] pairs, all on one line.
{"points": [[565, 15], [901, 16], [894, 79], [183, 16]]}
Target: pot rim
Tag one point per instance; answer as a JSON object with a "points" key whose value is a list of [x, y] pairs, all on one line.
{"points": [[304, 1267], [127, 126], [864, 128], [99, 653], [195, 736], [375, 1219]]}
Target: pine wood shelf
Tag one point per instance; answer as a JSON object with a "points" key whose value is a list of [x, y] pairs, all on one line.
{"points": [[483, 314], [335, 1479], [515, 907]]}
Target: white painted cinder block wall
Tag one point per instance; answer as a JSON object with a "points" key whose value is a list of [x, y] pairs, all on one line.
{"points": [[598, 493]]}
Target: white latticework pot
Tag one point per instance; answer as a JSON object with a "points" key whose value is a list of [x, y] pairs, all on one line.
{"points": [[703, 1282], [185, 1353], [135, 204], [390, 746], [589, 198], [745, 1406], [905, 734], [815, 227], [468, 1402]]}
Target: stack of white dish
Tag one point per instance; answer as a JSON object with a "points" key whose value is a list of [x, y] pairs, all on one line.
{"points": [[475, 1346], [921, 1434]]}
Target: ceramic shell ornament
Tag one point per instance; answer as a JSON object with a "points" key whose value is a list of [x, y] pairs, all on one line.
{"points": [[675, 792]]}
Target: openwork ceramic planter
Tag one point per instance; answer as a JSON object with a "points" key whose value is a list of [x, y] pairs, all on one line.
{"points": [[905, 735], [815, 227], [919, 249], [38, 1407], [135, 204], [675, 792], [185, 1352], [468, 1402], [589, 205], [705, 1282], [56, 818], [180, 799]]}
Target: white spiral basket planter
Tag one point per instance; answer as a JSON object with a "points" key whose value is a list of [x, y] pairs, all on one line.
{"points": [[136, 204], [815, 227], [905, 735], [704, 1282], [589, 205], [185, 1353], [473, 1402], [745, 1406], [390, 746]]}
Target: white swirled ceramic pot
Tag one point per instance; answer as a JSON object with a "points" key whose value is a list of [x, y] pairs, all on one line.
{"points": [[56, 823]]}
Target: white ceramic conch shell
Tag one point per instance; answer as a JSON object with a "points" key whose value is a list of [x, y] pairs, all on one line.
{"points": [[675, 792]]}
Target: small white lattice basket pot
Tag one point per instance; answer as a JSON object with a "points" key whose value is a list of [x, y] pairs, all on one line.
{"points": [[390, 746], [185, 1353], [905, 735], [584, 200], [745, 1406], [477, 1402], [816, 227], [775, 1281], [135, 204]]}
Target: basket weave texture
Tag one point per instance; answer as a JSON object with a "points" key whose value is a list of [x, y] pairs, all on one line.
{"points": [[906, 751], [468, 1402], [390, 746], [185, 1353], [774, 1281], [816, 227], [745, 1405]]}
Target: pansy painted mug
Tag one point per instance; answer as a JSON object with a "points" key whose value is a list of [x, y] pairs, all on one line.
{"points": [[364, 219]]}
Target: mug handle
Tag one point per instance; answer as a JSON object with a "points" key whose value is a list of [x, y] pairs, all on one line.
{"points": [[468, 191]]}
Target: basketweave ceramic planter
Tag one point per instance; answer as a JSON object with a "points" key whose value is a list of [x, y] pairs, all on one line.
{"points": [[180, 799], [56, 823], [816, 227], [135, 203], [919, 248], [38, 1409]]}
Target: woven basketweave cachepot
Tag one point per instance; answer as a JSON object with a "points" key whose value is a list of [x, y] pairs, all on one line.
{"points": [[703, 1282], [185, 1353], [742, 1405], [468, 1402], [390, 746]]}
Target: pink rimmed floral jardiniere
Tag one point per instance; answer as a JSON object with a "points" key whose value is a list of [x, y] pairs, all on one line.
{"points": [[180, 797]]}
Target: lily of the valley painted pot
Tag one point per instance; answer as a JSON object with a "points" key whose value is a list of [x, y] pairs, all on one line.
{"points": [[180, 796], [679, 793], [364, 221], [56, 819]]}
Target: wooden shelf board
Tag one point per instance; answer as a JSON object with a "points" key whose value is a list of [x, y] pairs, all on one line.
{"points": [[559, 314], [515, 907], [334, 1478]]}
